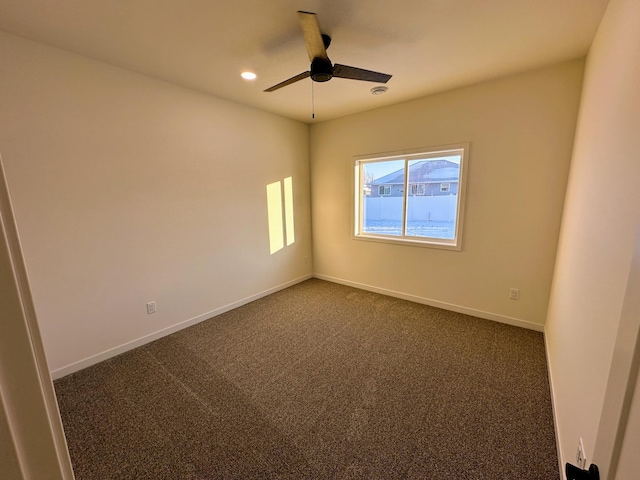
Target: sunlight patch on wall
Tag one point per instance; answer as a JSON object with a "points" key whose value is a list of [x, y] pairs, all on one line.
{"points": [[274, 211], [280, 223], [288, 209]]}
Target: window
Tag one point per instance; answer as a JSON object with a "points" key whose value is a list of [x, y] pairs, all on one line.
{"points": [[428, 214], [417, 189]]}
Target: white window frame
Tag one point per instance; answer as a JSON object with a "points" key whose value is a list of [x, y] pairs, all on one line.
{"points": [[445, 187], [384, 190], [407, 155], [417, 189]]}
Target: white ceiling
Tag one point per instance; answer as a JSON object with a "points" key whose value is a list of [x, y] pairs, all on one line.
{"points": [[427, 45]]}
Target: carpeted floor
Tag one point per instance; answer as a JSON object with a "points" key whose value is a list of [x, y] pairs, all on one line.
{"points": [[318, 381]]}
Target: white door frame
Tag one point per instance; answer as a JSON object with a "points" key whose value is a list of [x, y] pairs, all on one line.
{"points": [[32, 420], [623, 376]]}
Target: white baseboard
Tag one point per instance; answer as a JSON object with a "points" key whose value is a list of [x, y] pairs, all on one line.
{"points": [[87, 362], [435, 303]]}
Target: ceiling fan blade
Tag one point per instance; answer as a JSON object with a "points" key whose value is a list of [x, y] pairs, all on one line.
{"points": [[345, 71], [312, 35], [289, 81]]}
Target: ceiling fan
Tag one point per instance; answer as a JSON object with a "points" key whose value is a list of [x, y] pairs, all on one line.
{"points": [[321, 69]]}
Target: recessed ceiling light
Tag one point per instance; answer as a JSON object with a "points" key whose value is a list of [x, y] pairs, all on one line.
{"points": [[379, 90], [248, 75]]}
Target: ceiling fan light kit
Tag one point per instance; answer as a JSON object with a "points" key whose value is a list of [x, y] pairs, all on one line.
{"points": [[321, 69]]}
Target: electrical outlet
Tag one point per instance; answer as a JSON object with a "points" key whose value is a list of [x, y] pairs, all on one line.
{"points": [[581, 456], [514, 294], [151, 308]]}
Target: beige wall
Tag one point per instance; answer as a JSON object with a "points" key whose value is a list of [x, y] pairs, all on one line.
{"points": [[520, 131], [599, 228], [128, 189]]}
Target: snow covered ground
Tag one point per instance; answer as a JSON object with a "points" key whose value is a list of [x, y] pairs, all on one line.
{"points": [[444, 230]]}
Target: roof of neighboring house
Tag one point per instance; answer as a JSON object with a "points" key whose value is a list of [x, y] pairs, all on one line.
{"points": [[424, 171], [449, 173]]}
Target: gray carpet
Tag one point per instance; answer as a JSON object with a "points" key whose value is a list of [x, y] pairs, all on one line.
{"points": [[318, 381]]}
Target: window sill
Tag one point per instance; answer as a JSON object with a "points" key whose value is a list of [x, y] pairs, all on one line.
{"points": [[431, 243]]}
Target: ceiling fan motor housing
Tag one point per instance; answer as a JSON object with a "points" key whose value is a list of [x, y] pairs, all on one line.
{"points": [[321, 69]]}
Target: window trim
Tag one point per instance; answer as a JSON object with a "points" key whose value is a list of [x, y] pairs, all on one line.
{"points": [[408, 155], [417, 189], [384, 190]]}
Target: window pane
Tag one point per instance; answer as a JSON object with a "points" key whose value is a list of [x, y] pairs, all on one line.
{"points": [[382, 197], [433, 197], [412, 197]]}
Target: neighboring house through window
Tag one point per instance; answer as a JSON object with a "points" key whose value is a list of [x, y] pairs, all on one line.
{"points": [[414, 197]]}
